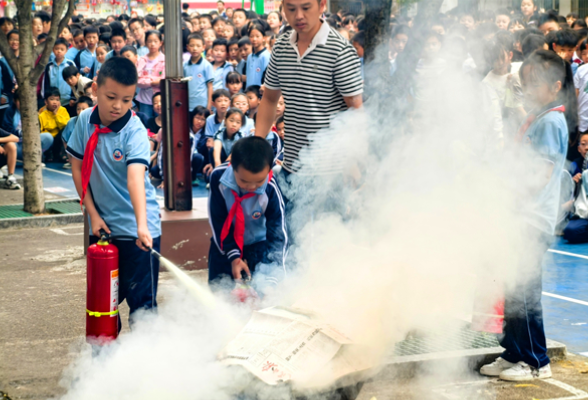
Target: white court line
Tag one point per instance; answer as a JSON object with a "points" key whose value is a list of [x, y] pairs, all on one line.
{"points": [[585, 354], [59, 172], [565, 253], [557, 296], [577, 393]]}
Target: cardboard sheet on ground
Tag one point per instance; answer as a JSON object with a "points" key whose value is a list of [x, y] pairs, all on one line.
{"points": [[280, 345]]}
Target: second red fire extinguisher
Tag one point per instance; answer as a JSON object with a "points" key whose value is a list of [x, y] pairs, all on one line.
{"points": [[102, 322]]}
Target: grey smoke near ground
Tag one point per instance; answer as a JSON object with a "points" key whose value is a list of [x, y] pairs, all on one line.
{"points": [[428, 205]]}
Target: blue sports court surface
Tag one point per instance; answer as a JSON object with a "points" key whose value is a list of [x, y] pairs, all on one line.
{"points": [[565, 277]]}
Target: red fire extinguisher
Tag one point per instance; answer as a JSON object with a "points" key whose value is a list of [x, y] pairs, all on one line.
{"points": [[102, 295]]}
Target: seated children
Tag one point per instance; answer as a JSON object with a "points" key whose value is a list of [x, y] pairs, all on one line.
{"points": [[83, 103], [254, 97], [53, 75], [577, 229], [200, 86], [8, 149], [226, 137], [85, 58], [53, 118], [234, 83], [122, 200], [154, 123], [221, 67], [240, 101], [246, 187], [358, 43], [280, 133], [76, 82], [221, 102]]}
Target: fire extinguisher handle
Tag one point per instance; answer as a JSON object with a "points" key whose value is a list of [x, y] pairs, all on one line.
{"points": [[104, 236]]}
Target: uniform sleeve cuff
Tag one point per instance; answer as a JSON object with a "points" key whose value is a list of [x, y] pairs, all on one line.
{"points": [[233, 254], [74, 154]]}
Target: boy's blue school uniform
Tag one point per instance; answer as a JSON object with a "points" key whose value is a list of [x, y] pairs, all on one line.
{"points": [[127, 144], [54, 78], [201, 73], [256, 65], [212, 126], [71, 53], [142, 51], [83, 59], [240, 67], [264, 240], [8, 80], [227, 142], [68, 130], [524, 333], [220, 75]]}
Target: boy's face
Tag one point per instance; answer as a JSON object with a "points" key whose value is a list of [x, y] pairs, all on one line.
{"points": [[222, 104], [209, 37], [117, 43], [241, 103], [7, 27], [538, 93], [73, 80], [13, 42], [502, 22], [52, 103], [66, 34], [137, 31], [46, 27], [565, 52], [399, 42], [219, 53], [549, 26], [584, 56], [583, 145], [80, 42], [358, 48], [114, 100], [59, 51], [280, 129], [467, 21], [249, 181], [196, 47], [157, 105], [234, 52], [528, 8], [91, 40], [239, 19], [81, 107], [131, 56], [432, 47], [204, 24], [253, 100], [245, 50], [37, 27], [220, 28]]}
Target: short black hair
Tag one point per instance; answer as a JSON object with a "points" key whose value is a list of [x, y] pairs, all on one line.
{"points": [[532, 43], [252, 153], [195, 36], [85, 99], [105, 38], [119, 69], [199, 110], [77, 32], [241, 10], [233, 77], [280, 120], [61, 41], [43, 15], [547, 17], [579, 22], [359, 38], [133, 20], [42, 36], [221, 42], [132, 49], [88, 30], [69, 71], [118, 32], [217, 20], [244, 41], [220, 93], [6, 20], [51, 92], [154, 96], [255, 89], [563, 37], [151, 20], [12, 32], [116, 25], [104, 29], [233, 41], [123, 17]]}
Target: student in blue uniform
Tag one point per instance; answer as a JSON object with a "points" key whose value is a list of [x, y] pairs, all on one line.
{"points": [[227, 136], [221, 100], [109, 151], [85, 59], [545, 77], [200, 86], [221, 67], [53, 77], [257, 61], [246, 213]]}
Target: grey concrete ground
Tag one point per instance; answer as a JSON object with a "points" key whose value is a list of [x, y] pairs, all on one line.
{"points": [[42, 322]]}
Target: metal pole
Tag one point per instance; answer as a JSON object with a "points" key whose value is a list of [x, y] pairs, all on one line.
{"points": [[175, 116]]}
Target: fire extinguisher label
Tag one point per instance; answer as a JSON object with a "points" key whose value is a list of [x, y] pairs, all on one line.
{"points": [[113, 291]]}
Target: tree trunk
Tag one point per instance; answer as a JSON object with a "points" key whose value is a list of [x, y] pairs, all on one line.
{"points": [[34, 196], [377, 20]]}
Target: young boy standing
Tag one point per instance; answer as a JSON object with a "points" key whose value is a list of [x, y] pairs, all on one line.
{"points": [[109, 151], [118, 40], [221, 67], [54, 72], [79, 44], [200, 87], [246, 213], [85, 58]]}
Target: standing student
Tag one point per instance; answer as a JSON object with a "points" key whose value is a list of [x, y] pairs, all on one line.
{"points": [[118, 40], [101, 52], [79, 44], [85, 59], [200, 86], [53, 75], [109, 152], [151, 70], [247, 189], [244, 51], [137, 29], [545, 133], [221, 67], [258, 61]]}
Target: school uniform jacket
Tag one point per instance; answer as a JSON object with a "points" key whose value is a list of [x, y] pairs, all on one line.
{"points": [[264, 215]]}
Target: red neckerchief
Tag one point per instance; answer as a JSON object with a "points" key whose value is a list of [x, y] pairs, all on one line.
{"points": [[88, 161], [236, 212], [533, 117]]}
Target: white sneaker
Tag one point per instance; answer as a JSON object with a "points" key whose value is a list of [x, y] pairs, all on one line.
{"points": [[11, 183], [67, 166], [495, 368], [4, 170], [524, 372]]}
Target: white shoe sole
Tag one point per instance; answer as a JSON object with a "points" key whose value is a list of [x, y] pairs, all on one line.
{"points": [[523, 378]]}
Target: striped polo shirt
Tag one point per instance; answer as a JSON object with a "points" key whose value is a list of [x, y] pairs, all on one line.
{"points": [[313, 86]]}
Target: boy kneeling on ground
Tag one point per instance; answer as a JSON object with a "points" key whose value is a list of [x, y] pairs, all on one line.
{"points": [[246, 213]]}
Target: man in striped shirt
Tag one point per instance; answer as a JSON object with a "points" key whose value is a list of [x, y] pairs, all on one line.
{"points": [[318, 73]]}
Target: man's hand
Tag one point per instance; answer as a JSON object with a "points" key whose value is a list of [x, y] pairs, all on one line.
{"points": [[577, 178], [239, 266], [207, 169], [144, 241], [98, 224]]}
